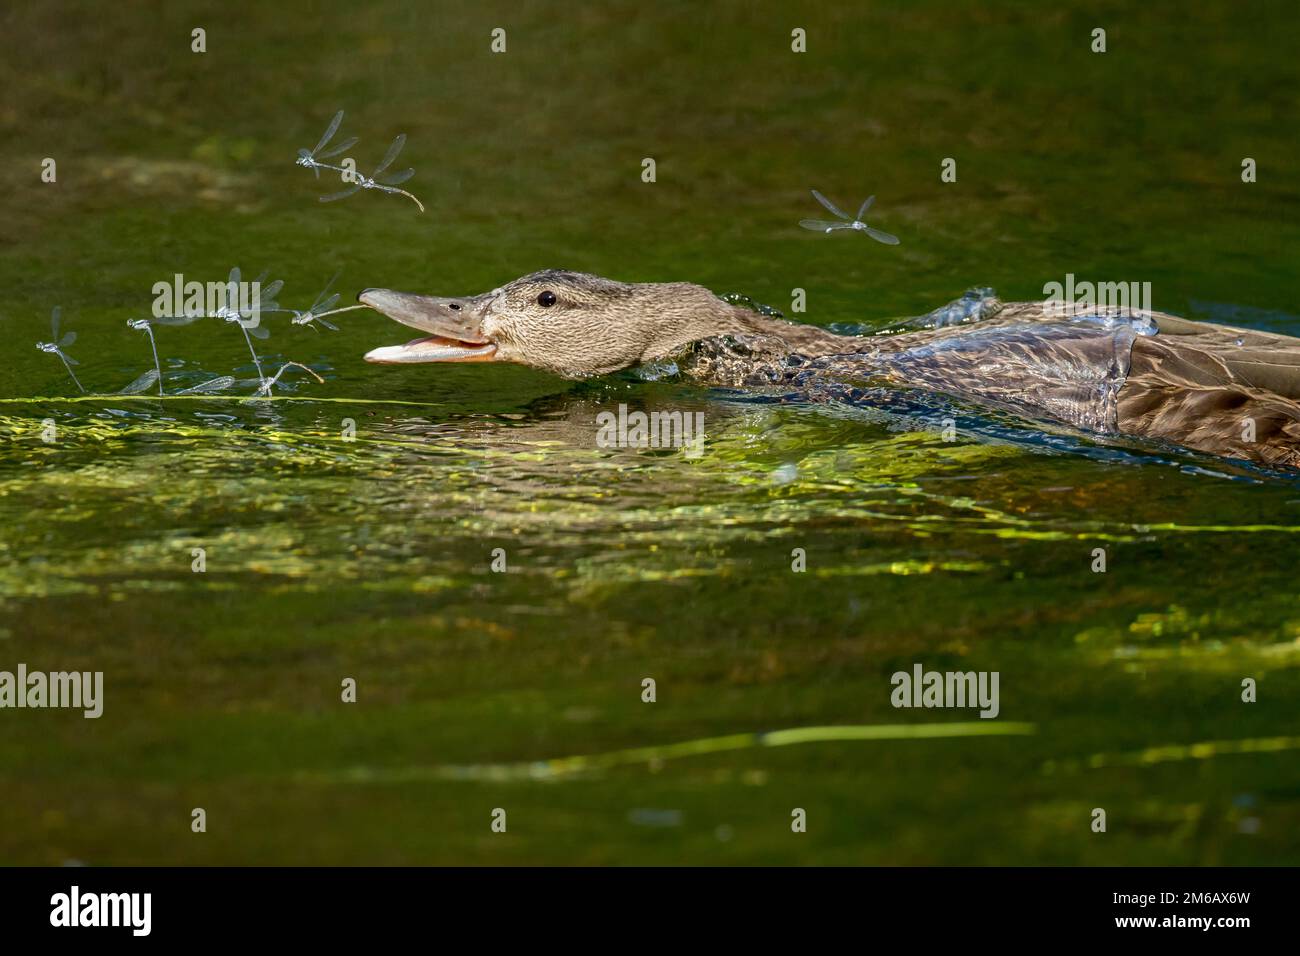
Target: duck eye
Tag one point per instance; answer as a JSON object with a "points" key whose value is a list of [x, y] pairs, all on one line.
{"points": [[546, 299]]}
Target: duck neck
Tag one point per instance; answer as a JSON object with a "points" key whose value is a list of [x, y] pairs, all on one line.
{"points": [[697, 314]]}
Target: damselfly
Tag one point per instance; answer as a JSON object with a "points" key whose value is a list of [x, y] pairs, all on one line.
{"points": [[265, 388], [248, 315], [311, 160], [143, 325], [823, 225], [57, 345], [321, 307], [377, 179], [231, 301]]}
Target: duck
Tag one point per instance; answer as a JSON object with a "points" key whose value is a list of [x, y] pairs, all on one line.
{"points": [[1215, 389]]}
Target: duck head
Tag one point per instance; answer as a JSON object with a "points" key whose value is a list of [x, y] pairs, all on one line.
{"points": [[569, 323]]}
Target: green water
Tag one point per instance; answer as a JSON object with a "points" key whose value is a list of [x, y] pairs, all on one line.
{"points": [[370, 559]]}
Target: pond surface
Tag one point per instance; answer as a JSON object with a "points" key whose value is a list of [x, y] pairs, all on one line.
{"points": [[365, 551]]}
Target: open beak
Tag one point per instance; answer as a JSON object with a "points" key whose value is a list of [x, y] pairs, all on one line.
{"points": [[455, 326]]}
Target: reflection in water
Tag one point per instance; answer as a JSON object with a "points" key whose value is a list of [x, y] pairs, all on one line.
{"points": [[286, 490]]}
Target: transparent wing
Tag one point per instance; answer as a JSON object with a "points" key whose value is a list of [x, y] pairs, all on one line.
{"points": [[265, 302], [884, 237], [257, 331], [67, 340], [329, 132], [320, 305], [68, 358], [56, 314], [396, 179], [822, 225], [834, 209], [341, 195], [176, 319], [865, 206], [211, 385], [141, 383], [391, 154], [329, 325], [234, 276], [338, 148]]}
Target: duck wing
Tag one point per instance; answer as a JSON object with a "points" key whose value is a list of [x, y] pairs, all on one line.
{"points": [[1213, 388]]}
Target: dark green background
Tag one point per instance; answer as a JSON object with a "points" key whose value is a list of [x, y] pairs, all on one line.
{"points": [[369, 559]]}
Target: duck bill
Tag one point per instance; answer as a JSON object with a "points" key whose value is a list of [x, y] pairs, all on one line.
{"points": [[454, 327]]}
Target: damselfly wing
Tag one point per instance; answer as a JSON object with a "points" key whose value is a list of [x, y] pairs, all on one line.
{"points": [[396, 179], [339, 148], [330, 130], [141, 383], [343, 194], [830, 206], [389, 156], [60, 343], [880, 236], [211, 385]]}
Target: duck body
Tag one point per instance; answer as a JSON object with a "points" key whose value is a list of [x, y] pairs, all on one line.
{"points": [[1212, 388]]}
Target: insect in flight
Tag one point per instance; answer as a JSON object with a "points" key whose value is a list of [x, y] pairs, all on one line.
{"points": [[321, 307], [377, 179], [249, 317], [856, 223], [311, 160], [57, 345]]}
